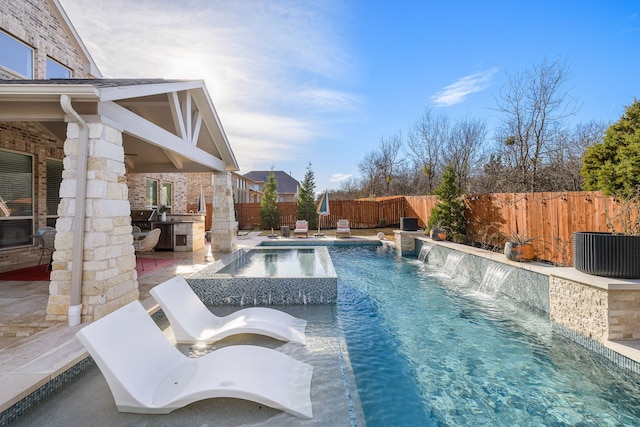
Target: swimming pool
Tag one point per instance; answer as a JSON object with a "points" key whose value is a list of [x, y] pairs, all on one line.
{"points": [[429, 350]]}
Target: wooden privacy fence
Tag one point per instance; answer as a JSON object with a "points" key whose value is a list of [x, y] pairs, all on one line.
{"points": [[549, 218], [360, 213]]}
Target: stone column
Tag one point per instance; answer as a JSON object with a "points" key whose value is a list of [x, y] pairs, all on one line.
{"points": [[109, 278], [224, 236], [406, 241]]}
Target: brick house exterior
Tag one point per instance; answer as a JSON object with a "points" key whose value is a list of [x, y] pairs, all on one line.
{"points": [[82, 125], [287, 185]]}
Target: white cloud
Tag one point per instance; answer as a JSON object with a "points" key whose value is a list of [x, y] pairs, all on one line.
{"points": [[338, 177], [457, 92], [257, 59]]}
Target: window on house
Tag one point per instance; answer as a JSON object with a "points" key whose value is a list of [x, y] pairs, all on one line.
{"points": [[16, 199], [166, 196], [16, 56], [151, 193], [56, 70], [54, 180]]}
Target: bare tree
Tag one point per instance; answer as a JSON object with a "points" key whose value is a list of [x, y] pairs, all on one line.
{"points": [[534, 104], [388, 162], [426, 138], [379, 167], [464, 149], [350, 189], [370, 173], [409, 180], [562, 172]]}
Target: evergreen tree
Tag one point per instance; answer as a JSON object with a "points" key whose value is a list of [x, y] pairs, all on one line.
{"points": [[306, 199], [269, 215], [448, 213], [613, 166]]}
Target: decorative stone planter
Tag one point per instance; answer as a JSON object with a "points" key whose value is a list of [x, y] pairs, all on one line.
{"points": [[607, 254], [438, 234], [518, 252]]}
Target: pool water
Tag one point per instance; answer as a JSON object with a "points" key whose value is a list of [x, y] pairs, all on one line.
{"points": [[430, 351], [278, 262]]}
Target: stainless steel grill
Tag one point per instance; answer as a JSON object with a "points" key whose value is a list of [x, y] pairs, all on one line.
{"points": [[143, 218]]}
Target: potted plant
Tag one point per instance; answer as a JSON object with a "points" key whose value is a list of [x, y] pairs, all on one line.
{"points": [[519, 248], [613, 253], [612, 167], [438, 231]]}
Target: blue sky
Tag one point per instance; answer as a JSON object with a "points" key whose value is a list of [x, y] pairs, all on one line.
{"points": [[323, 81]]}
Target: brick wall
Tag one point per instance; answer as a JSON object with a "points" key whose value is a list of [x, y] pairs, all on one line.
{"points": [[30, 138], [137, 188], [37, 24]]}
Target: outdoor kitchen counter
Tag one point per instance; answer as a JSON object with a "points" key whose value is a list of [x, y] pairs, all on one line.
{"points": [[187, 231]]}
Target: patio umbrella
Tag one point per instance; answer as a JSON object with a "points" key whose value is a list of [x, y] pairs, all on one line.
{"points": [[202, 206], [323, 208]]}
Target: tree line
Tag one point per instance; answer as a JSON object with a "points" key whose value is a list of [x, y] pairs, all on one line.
{"points": [[533, 147]]}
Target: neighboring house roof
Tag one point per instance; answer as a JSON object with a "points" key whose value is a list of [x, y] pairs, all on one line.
{"points": [[93, 68], [286, 183], [168, 125]]}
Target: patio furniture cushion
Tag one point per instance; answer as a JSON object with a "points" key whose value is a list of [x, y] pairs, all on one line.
{"points": [[302, 227], [343, 229]]}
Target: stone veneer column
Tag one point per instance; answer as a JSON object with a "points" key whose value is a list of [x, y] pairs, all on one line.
{"points": [[406, 241], [224, 237], [109, 278]]}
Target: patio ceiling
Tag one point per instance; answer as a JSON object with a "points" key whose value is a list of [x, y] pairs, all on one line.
{"points": [[167, 125]]}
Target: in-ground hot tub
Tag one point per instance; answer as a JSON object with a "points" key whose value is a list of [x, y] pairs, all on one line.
{"points": [[269, 276]]}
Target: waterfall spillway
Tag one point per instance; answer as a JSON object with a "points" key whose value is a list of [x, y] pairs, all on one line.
{"points": [[494, 277], [451, 263], [424, 251]]}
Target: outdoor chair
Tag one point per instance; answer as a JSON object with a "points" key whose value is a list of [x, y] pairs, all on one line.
{"points": [[343, 229], [148, 375], [193, 322], [148, 244], [302, 227], [47, 244]]}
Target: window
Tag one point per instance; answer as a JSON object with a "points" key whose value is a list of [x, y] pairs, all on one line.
{"points": [[54, 180], [151, 193], [166, 196], [16, 199], [16, 56], [56, 70]]}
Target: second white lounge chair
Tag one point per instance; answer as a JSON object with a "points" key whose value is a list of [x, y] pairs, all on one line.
{"points": [[302, 227], [342, 228], [148, 375], [192, 321]]}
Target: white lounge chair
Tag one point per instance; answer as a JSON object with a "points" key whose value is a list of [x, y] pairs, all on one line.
{"points": [[302, 227], [342, 228], [192, 321], [148, 375]]}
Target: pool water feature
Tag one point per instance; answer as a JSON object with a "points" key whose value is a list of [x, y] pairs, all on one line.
{"points": [[430, 350]]}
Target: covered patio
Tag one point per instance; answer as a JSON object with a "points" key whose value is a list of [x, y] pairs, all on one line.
{"points": [[104, 131]]}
